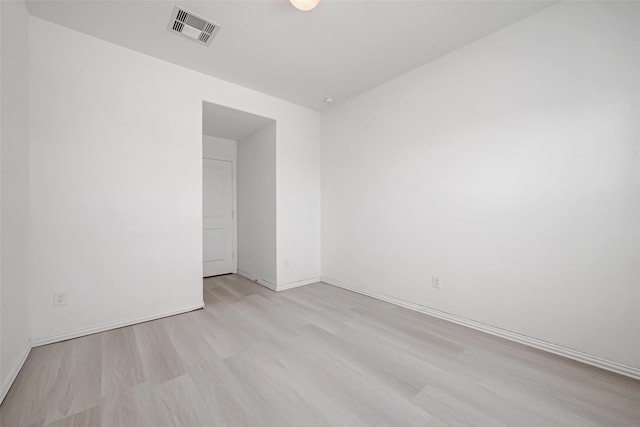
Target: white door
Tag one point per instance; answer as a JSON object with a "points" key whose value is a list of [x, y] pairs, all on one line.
{"points": [[217, 233]]}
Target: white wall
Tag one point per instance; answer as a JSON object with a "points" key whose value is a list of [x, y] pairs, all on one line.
{"points": [[298, 181], [214, 147], [257, 258], [116, 181], [511, 169], [14, 187]]}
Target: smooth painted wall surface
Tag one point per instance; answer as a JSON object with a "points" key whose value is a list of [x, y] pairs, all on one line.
{"points": [[116, 180], [14, 188], [214, 147], [511, 170], [298, 182], [257, 257]]}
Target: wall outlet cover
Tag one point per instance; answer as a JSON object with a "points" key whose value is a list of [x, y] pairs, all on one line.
{"points": [[59, 298]]}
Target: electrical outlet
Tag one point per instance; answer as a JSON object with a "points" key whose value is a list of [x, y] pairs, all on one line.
{"points": [[286, 263], [59, 298], [435, 282]]}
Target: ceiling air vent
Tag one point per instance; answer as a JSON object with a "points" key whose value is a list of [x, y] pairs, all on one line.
{"points": [[192, 26]]}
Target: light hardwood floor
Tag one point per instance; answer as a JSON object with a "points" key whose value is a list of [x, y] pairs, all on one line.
{"points": [[311, 356]]}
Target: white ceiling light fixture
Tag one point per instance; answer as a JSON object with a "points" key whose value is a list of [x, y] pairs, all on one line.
{"points": [[192, 26], [304, 5], [328, 99]]}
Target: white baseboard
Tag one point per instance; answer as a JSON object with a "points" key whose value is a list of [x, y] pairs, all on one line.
{"points": [[278, 288], [262, 282], [111, 325], [609, 365], [298, 283], [8, 382]]}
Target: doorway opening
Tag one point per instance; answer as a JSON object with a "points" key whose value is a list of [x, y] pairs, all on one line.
{"points": [[239, 194]]}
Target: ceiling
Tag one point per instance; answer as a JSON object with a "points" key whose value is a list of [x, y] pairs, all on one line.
{"points": [[228, 123], [339, 49]]}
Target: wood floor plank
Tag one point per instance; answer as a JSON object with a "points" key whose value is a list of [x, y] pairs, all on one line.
{"points": [[188, 336], [348, 383], [23, 405], [314, 355], [135, 406], [159, 358], [179, 403], [121, 363], [90, 417], [264, 378], [227, 401]]}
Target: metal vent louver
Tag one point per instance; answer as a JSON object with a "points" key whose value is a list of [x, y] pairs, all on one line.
{"points": [[192, 26]]}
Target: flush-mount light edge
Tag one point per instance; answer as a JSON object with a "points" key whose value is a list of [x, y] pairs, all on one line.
{"points": [[304, 5]]}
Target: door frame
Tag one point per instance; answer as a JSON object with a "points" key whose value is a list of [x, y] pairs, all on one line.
{"points": [[213, 149]]}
